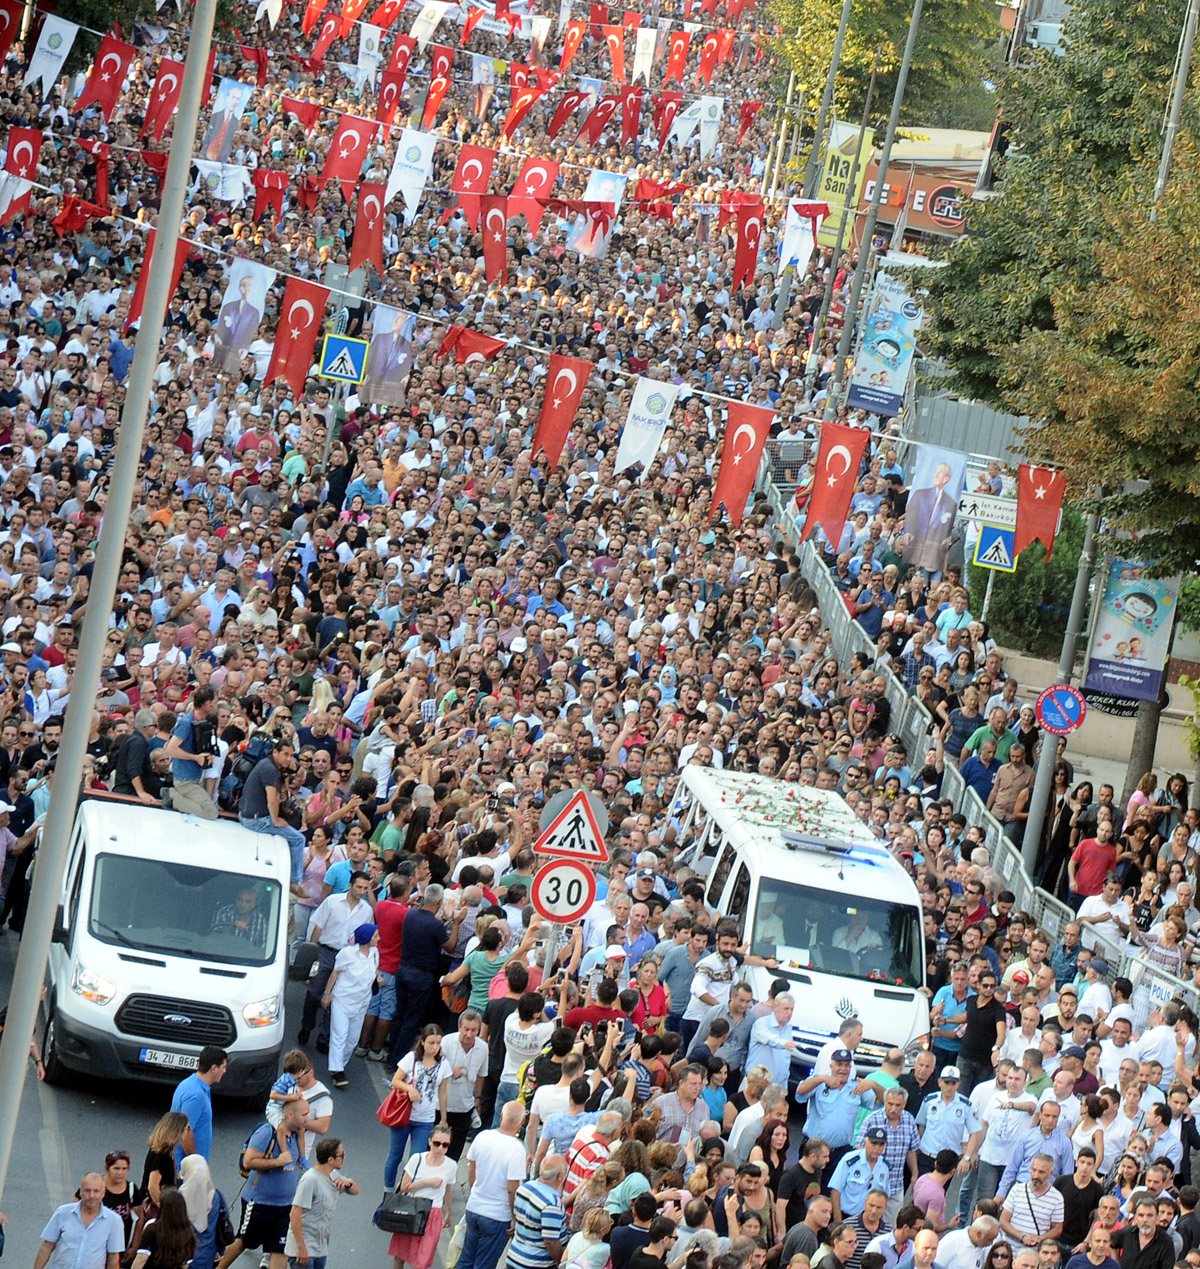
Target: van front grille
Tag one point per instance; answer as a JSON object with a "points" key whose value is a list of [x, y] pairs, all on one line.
{"points": [[190, 1022]]}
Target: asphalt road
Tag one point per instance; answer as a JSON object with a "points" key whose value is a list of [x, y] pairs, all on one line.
{"points": [[65, 1132]]}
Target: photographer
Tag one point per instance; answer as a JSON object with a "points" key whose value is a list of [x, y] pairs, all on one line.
{"points": [[193, 752]]}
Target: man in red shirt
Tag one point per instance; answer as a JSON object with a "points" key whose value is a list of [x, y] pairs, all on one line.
{"points": [[389, 917], [1091, 861]]}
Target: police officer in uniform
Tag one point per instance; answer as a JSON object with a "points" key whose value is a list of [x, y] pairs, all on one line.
{"points": [[833, 1105], [944, 1120], [859, 1172]]}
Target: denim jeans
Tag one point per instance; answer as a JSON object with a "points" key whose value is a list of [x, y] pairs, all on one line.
{"points": [[293, 837], [483, 1242], [507, 1092], [313, 1262], [418, 1135]]}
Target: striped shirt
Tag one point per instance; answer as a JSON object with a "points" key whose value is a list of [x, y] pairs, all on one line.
{"points": [[1033, 1213], [583, 1159], [538, 1217], [865, 1236]]}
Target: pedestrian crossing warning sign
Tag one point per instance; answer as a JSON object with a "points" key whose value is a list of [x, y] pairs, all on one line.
{"points": [[994, 548], [343, 358]]}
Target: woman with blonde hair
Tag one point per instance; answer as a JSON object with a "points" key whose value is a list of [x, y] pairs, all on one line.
{"points": [[592, 1193], [158, 1171], [588, 1247]]}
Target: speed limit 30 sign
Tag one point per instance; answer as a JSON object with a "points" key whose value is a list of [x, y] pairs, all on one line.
{"points": [[563, 890]]}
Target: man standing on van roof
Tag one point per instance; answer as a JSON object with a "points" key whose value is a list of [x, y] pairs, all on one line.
{"points": [[193, 1097], [260, 807]]}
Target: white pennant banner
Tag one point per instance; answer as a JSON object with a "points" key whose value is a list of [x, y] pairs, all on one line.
{"points": [[428, 20], [649, 414], [411, 169], [799, 241], [710, 123], [643, 57], [686, 122], [226, 181], [53, 48], [369, 55]]}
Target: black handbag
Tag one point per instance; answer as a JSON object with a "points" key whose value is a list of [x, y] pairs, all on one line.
{"points": [[225, 1231], [403, 1213]]}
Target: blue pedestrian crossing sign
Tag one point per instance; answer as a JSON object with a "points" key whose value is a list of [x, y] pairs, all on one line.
{"points": [[344, 358], [994, 548]]}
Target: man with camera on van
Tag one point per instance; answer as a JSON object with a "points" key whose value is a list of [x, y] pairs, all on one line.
{"points": [[261, 808], [193, 752]]}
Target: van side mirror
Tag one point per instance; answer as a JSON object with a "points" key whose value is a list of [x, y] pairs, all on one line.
{"points": [[60, 929]]}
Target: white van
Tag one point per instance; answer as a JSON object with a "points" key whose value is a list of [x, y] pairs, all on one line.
{"points": [[806, 883], [171, 935]]}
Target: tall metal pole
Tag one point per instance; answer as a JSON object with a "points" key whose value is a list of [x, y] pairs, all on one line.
{"points": [[810, 175], [56, 832], [784, 124], [1178, 93], [1066, 665], [846, 218], [864, 252]]}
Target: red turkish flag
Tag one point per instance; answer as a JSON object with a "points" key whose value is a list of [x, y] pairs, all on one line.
{"points": [[598, 16], [164, 97], [725, 39], [535, 182], [750, 111], [632, 20], [100, 151], [518, 76], [522, 102], [308, 191], [473, 16], [631, 113], [268, 192], [572, 39], [438, 87], [258, 58], [74, 214], [598, 120], [24, 150], [614, 37], [493, 226], [750, 218], [348, 152], [569, 103], [11, 14], [156, 162], [745, 435], [108, 73], [665, 110], [1039, 500], [312, 14], [708, 58], [367, 246], [565, 381], [390, 88], [325, 37], [307, 112], [468, 346], [442, 58], [300, 317], [835, 474], [677, 57], [387, 13], [471, 179], [402, 51], [351, 11], [182, 247]]}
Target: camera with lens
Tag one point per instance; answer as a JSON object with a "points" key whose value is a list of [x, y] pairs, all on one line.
{"points": [[204, 737]]}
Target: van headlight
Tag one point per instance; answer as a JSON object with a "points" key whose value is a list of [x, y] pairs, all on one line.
{"points": [[919, 1045], [261, 1013], [92, 986]]}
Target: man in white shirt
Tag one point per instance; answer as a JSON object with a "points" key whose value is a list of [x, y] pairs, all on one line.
{"points": [[968, 1248], [1115, 1049], [1107, 912], [1006, 1118], [495, 1169]]}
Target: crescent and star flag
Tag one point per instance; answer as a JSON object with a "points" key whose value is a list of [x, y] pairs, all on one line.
{"points": [[74, 214], [24, 150], [434, 96], [518, 76], [645, 41], [306, 112], [300, 317], [468, 346], [677, 57], [1039, 500], [493, 217], [182, 247], [649, 413], [348, 151], [471, 179], [522, 102], [666, 107], [103, 85], [268, 192], [750, 111], [631, 113], [749, 218], [367, 247], [725, 40], [441, 59], [473, 16], [325, 37], [312, 14], [11, 13], [387, 13], [402, 51], [572, 38], [570, 102], [390, 88], [594, 125], [835, 474], [351, 12], [745, 435], [535, 181], [565, 380], [708, 58], [614, 37]]}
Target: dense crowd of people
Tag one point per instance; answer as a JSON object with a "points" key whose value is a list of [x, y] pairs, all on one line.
{"points": [[389, 635]]}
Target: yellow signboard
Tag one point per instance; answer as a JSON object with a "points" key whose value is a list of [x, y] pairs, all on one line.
{"points": [[835, 178]]}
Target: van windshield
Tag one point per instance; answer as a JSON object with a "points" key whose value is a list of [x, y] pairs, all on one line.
{"points": [[152, 905], [808, 928]]}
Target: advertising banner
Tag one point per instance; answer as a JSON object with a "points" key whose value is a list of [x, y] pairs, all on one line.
{"points": [[834, 188], [885, 356]]}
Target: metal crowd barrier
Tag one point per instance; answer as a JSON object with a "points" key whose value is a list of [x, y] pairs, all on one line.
{"points": [[911, 722]]}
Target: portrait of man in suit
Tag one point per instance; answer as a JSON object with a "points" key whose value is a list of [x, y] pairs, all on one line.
{"points": [[389, 360], [227, 113], [237, 325], [929, 521]]}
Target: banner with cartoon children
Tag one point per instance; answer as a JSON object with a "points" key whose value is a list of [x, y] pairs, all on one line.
{"points": [[1133, 633]]}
